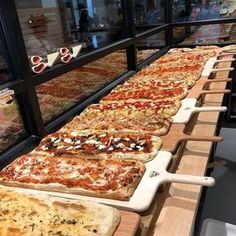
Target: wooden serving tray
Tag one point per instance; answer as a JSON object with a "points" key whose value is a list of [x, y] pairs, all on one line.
{"points": [[173, 139]]}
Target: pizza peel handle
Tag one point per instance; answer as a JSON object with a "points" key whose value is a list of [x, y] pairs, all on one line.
{"points": [[215, 80], [222, 69], [225, 54], [209, 109], [186, 137], [188, 179], [218, 91], [225, 60]]}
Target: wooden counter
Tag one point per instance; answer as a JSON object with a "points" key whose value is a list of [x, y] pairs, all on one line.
{"points": [[174, 210]]}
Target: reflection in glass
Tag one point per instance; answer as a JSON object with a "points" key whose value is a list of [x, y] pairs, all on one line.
{"points": [[63, 92], [4, 71], [202, 10], [51, 24], [143, 54], [152, 42], [149, 12], [149, 46], [11, 126], [206, 34]]}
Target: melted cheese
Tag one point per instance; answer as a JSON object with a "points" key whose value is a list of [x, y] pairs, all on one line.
{"points": [[28, 216]]}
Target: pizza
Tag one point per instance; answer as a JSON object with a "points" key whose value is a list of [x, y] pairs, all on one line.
{"points": [[100, 145], [207, 47], [134, 108], [174, 69], [35, 215], [157, 124], [185, 58], [112, 178], [144, 82], [59, 91], [146, 94], [178, 76]]}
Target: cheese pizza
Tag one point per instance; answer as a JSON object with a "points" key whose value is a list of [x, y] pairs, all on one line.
{"points": [[36, 215], [115, 179]]}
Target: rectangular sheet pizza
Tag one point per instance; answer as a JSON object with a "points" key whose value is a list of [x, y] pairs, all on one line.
{"points": [[134, 108], [138, 82], [146, 94], [115, 179], [99, 146], [38, 215], [157, 124]]}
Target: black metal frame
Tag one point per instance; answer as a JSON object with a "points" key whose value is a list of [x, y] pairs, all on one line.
{"points": [[24, 82]]}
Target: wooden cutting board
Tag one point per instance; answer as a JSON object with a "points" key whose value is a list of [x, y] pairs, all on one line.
{"points": [[128, 225]]}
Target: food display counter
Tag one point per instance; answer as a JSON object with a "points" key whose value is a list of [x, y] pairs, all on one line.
{"points": [[113, 138]]}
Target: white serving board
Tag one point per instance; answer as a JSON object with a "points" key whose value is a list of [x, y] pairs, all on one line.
{"points": [[209, 66], [154, 176], [188, 108]]}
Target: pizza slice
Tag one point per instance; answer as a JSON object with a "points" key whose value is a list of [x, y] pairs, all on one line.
{"points": [[115, 179], [157, 124], [158, 82], [185, 57], [101, 145], [31, 214], [134, 108], [175, 69], [177, 76], [146, 94]]}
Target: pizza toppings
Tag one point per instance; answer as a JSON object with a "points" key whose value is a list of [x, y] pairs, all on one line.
{"points": [[27, 215], [149, 94], [95, 143], [136, 105], [101, 177], [133, 123]]}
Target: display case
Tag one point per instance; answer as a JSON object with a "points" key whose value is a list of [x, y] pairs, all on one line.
{"points": [[115, 39]]}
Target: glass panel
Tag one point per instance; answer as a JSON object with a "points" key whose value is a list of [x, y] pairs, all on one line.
{"points": [[148, 12], [11, 125], [143, 54], [152, 42], [181, 33], [4, 70], [206, 34], [150, 45], [63, 92], [184, 10], [51, 24]]}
